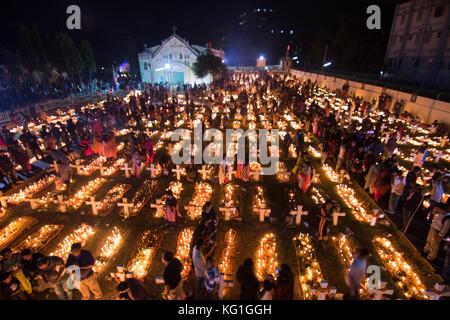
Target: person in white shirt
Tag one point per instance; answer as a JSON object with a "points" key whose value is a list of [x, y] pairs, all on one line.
{"points": [[437, 193], [355, 275], [438, 230], [397, 187], [199, 262]]}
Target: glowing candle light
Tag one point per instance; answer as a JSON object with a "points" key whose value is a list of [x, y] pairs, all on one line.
{"points": [[40, 238], [79, 235], [15, 229], [110, 246], [266, 257], [183, 251]]}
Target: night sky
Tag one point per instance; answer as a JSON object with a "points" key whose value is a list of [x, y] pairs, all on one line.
{"points": [[107, 24]]}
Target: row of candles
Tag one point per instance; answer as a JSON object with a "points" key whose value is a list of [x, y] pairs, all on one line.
{"points": [[79, 235], [403, 275], [310, 273], [32, 189], [15, 229], [142, 195], [225, 265], [347, 195], [266, 257], [143, 254], [112, 197], [182, 252], [106, 172], [259, 201], [85, 192], [40, 238], [202, 194]]}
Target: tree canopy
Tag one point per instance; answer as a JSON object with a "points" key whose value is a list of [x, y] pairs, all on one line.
{"points": [[209, 64]]}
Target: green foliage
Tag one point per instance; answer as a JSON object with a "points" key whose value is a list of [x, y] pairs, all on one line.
{"points": [[209, 64], [88, 56]]}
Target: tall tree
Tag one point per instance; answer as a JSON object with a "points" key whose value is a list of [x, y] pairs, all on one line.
{"points": [[209, 64], [88, 57]]}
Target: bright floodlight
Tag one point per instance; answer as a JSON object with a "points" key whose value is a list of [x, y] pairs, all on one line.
{"points": [[327, 64], [167, 66], [261, 58]]}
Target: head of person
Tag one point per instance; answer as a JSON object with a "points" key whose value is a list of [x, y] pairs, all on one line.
{"points": [[169, 193], [6, 254], [123, 287], [43, 262], [416, 169], [248, 265], [75, 249], [209, 262], [364, 254], [167, 257], [200, 243], [268, 286], [26, 254], [208, 206]]}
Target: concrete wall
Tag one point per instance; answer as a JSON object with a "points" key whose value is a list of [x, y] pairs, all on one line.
{"points": [[427, 109]]}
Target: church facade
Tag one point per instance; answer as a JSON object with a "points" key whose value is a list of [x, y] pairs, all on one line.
{"points": [[172, 60]]}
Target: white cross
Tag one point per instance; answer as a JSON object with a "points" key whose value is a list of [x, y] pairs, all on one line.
{"points": [[103, 170], [263, 212], [159, 206], [79, 168], [298, 213], [204, 172], [378, 293], [148, 132], [191, 209], [386, 138], [438, 156], [179, 171], [61, 203], [224, 284], [93, 203], [323, 291], [336, 216], [284, 174], [127, 170], [374, 216], [256, 174], [54, 165], [126, 206], [230, 173], [383, 126], [33, 202], [3, 200], [228, 211], [437, 292], [153, 170]]}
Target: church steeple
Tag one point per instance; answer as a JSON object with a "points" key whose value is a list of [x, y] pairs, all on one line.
{"points": [[174, 29]]}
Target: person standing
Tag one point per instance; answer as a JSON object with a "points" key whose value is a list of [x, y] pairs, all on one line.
{"points": [[212, 279], [248, 282], [411, 205], [437, 193], [171, 213], [325, 217], [173, 283], [284, 287], [199, 262], [355, 275], [88, 280], [397, 186], [438, 230]]}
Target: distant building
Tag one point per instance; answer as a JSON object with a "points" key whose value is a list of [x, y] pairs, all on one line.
{"points": [[419, 45], [172, 60]]}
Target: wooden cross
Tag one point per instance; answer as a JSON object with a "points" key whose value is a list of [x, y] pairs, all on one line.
{"points": [[374, 216], [228, 211], [378, 293], [179, 171], [61, 203], [263, 212], [33, 203], [159, 206], [298, 213], [3, 200], [174, 29], [153, 170], [336, 216], [148, 132], [93, 203], [323, 291], [438, 156], [230, 173], [127, 170], [256, 174], [204, 172], [79, 167], [191, 209], [126, 206], [437, 292]]}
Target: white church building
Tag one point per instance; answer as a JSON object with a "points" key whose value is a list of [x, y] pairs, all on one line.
{"points": [[172, 60]]}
